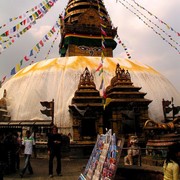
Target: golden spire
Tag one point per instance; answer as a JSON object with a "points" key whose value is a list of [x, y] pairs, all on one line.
{"points": [[81, 29]]}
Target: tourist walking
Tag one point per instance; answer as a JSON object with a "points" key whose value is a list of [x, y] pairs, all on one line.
{"points": [[54, 150], [171, 166], [28, 143]]}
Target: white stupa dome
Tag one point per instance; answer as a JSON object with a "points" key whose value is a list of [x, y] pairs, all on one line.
{"points": [[58, 79]]}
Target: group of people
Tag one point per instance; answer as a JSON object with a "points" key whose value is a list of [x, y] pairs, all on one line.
{"points": [[27, 144], [170, 167], [9, 152], [54, 145], [54, 150]]}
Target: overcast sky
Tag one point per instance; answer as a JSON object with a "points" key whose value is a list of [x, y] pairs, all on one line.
{"points": [[142, 42]]}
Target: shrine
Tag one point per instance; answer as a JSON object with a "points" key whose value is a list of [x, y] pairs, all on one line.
{"points": [[126, 109], [86, 109], [4, 114]]}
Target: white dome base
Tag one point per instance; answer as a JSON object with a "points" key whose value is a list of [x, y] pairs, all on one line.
{"points": [[58, 79]]}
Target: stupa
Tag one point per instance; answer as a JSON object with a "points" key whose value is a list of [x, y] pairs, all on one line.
{"points": [[80, 47]]}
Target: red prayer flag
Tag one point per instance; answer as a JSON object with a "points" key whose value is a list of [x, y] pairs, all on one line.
{"points": [[39, 12], [7, 33], [26, 58], [41, 43], [103, 32], [100, 65], [4, 78]]}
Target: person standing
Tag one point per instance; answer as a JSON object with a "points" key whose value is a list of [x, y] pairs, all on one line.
{"points": [[28, 143], [54, 150], [171, 166], [17, 149]]}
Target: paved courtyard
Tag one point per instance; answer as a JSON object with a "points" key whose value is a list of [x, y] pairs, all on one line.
{"points": [[71, 169]]}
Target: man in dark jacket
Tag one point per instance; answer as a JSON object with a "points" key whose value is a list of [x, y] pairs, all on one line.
{"points": [[54, 150]]}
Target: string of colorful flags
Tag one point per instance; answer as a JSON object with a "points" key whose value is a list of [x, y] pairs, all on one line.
{"points": [[100, 68], [10, 35], [124, 46], [168, 35], [161, 21], [35, 50], [42, 6], [52, 45], [150, 26]]}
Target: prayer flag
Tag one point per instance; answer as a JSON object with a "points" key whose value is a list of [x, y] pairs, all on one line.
{"points": [[14, 28], [7, 33], [101, 71], [13, 71], [101, 85], [104, 26], [26, 58], [36, 49], [104, 93], [100, 65], [41, 43], [51, 3], [4, 78], [17, 67], [31, 52], [39, 12], [103, 45], [103, 32], [21, 62]]}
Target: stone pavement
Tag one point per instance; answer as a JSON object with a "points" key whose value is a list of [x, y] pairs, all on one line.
{"points": [[71, 169]]}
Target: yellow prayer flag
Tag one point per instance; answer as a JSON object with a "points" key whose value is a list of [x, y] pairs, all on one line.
{"points": [[18, 67], [49, 34], [35, 48], [47, 7], [103, 25], [34, 16], [102, 55], [108, 100], [102, 37], [17, 26]]}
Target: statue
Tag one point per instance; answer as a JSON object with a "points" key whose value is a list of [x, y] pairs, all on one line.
{"points": [[133, 152], [162, 127], [3, 103], [86, 79], [160, 136]]}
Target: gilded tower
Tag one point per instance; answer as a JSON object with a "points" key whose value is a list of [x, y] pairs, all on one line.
{"points": [[81, 29]]}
